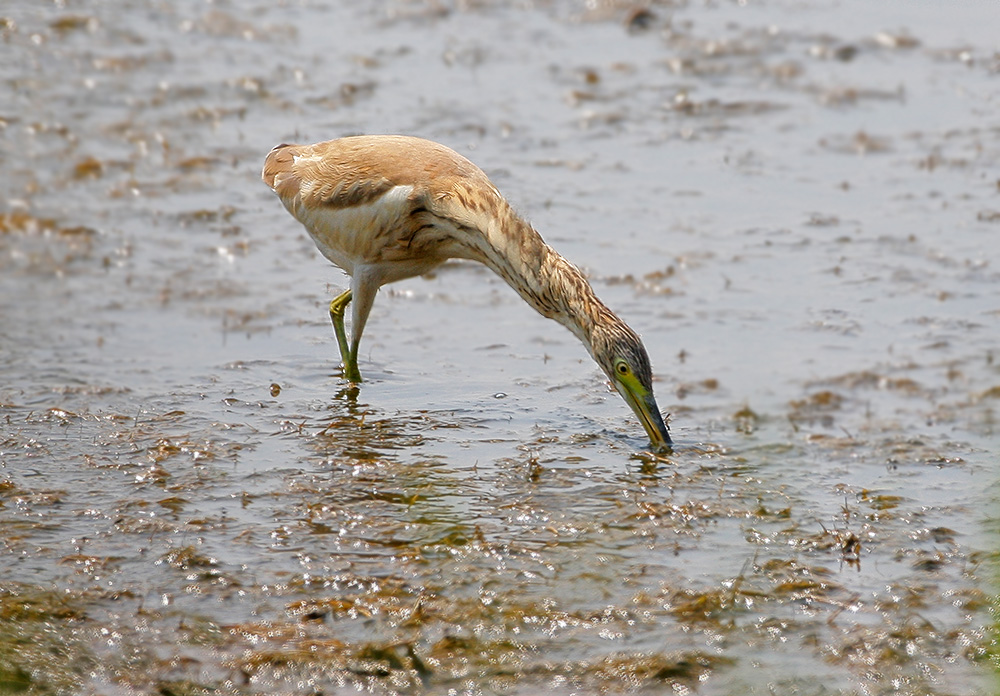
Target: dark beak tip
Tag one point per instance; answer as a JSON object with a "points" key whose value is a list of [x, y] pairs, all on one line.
{"points": [[664, 445]]}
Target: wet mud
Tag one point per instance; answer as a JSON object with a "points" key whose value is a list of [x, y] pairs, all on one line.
{"points": [[796, 206]]}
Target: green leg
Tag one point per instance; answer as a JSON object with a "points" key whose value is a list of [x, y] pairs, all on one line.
{"points": [[337, 309]]}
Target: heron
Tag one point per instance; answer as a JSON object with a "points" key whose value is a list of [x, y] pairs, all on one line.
{"points": [[388, 207]]}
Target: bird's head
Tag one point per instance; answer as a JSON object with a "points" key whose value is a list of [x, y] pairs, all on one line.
{"points": [[620, 353]]}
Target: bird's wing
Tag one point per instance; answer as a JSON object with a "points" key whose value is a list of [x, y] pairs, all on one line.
{"points": [[317, 176]]}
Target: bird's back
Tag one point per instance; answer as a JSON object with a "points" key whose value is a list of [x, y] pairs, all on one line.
{"points": [[359, 169], [379, 199]]}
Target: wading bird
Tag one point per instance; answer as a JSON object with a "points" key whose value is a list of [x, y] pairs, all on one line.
{"points": [[388, 207]]}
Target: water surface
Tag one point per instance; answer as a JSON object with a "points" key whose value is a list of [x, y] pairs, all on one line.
{"points": [[796, 206]]}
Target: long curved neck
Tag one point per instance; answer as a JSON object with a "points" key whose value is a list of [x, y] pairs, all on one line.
{"points": [[545, 280]]}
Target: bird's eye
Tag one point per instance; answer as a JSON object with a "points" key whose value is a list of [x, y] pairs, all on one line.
{"points": [[622, 367]]}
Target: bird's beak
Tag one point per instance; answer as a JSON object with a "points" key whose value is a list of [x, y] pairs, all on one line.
{"points": [[644, 406]]}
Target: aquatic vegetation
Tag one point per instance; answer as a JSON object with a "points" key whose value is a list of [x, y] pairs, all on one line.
{"points": [[193, 502]]}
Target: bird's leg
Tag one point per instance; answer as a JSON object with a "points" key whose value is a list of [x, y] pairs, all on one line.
{"points": [[337, 309]]}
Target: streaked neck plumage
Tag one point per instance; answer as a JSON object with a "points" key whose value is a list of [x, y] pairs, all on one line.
{"points": [[512, 248]]}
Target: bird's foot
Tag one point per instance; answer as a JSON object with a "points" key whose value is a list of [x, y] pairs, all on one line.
{"points": [[351, 372]]}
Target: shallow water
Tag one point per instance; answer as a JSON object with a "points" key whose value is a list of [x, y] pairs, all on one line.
{"points": [[797, 208]]}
